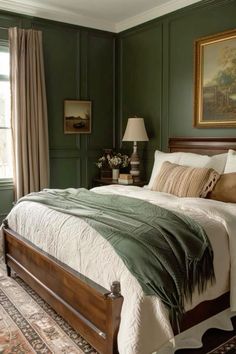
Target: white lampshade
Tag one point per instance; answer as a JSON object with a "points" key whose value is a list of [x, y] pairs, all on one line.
{"points": [[135, 130]]}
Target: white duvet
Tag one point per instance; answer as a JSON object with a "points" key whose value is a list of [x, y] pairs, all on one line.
{"points": [[144, 324]]}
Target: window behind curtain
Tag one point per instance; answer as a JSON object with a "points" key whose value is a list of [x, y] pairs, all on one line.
{"points": [[6, 170]]}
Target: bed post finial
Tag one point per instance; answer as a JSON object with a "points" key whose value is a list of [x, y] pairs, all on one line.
{"points": [[5, 224], [115, 289]]}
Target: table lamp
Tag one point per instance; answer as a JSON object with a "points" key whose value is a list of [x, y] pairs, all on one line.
{"points": [[135, 131]]}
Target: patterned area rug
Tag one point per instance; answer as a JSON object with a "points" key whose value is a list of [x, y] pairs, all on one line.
{"points": [[227, 348], [30, 325]]}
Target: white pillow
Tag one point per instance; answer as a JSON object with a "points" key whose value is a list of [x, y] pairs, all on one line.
{"points": [[217, 162], [230, 162]]}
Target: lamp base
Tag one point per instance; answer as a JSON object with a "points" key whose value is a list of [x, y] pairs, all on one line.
{"points": [[135, 164]]}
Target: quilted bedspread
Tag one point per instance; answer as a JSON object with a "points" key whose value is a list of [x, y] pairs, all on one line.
{"points": [[145, 325]]}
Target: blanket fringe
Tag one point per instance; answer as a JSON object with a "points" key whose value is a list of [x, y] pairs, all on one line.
{"points": [[199, 273]]}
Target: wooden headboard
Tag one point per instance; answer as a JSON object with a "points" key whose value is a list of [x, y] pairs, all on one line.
{"points": [[207, 146]]}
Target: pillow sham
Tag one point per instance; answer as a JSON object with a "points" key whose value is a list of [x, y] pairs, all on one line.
{"points": [[225, 189], [217, 162], [230, 162], [185, 181]]}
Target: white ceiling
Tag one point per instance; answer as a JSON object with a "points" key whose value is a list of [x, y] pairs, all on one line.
{"points": [[109, 15]]}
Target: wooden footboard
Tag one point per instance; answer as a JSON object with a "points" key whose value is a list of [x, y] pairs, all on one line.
{"points": [[89, 308]]}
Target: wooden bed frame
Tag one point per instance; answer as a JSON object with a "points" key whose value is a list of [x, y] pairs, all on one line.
{"points": [[90, 309]]}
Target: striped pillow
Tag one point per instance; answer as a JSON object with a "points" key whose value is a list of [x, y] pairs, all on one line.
{"points": [[184, 181]]}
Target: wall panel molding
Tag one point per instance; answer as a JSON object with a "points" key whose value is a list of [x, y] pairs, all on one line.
{"points": [[141, 88], [101, 68], [61, 153], [164, 122], [120, 97], [179, 31], [78, 74]]}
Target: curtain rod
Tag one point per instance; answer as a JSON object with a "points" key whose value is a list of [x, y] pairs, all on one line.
{"points": [[4, 28]]}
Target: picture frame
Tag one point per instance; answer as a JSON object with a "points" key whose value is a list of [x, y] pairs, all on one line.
{"points": [[215, 81], [77, 117]]}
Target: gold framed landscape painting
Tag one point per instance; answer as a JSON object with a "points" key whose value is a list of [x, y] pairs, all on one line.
{"points": [[215, 81], [77, 116]]}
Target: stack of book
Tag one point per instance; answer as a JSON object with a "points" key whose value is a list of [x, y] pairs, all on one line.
{"points": [[125, 178]]}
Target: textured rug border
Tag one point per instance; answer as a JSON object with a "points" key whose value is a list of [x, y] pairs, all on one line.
{"points": [[226, 347], [28, 324], [65, 327]]}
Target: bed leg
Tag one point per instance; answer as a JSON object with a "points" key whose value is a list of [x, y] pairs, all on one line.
{"points": [[114, 305], [5, 226], [8, 270]]}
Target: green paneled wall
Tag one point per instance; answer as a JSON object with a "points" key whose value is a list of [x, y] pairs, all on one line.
{"points": [[140, 72], [6, 198], [156, 66], [203, 21], [145, 71], [79, 64]]}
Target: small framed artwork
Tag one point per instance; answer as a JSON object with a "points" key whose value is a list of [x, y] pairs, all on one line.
{"points": [[77, 116], [215, 81]]}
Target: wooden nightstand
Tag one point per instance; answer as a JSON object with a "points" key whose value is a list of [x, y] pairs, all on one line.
{"points": [[97, 182]]}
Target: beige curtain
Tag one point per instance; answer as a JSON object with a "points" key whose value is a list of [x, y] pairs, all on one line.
{"points": [[29, 111]]}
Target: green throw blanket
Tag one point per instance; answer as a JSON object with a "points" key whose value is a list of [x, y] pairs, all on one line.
{"points": [[168, 253]]}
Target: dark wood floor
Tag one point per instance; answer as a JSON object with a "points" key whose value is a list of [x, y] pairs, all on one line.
{"points": [[211, 339]]}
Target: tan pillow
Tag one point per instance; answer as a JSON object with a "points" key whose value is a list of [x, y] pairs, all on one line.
{"points": [[185, 181], [225, 189]]}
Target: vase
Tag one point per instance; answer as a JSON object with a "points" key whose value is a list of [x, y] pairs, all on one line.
{"points": [[115, 173]]}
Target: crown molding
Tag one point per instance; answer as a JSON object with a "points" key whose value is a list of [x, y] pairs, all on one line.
{"points": [[32, 8], [153, 13], [37, 9]]}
